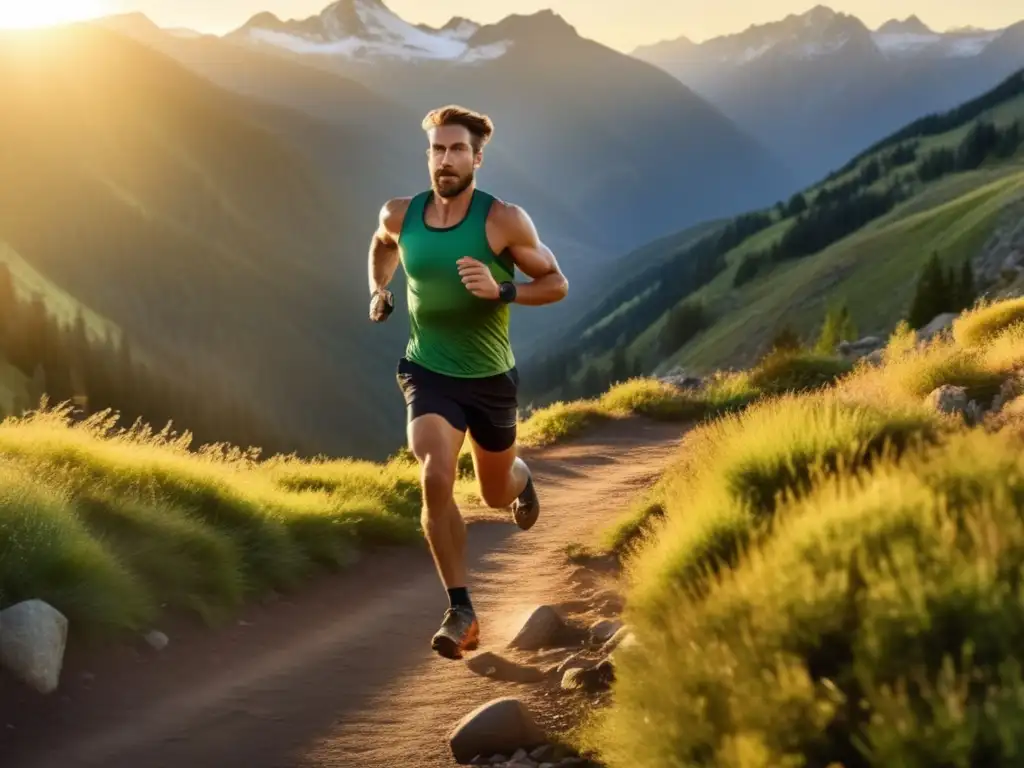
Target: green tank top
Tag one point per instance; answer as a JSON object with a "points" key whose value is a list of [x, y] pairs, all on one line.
{"points": [[453, 332]]}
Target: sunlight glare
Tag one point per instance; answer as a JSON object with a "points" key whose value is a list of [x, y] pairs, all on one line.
{"points": [[26, 14]]}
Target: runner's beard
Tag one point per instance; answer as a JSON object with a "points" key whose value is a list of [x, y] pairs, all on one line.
{"points": [[451, 189]]}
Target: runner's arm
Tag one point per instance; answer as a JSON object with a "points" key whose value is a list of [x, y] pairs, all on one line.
{"points": [[536, 261], [383, 259]]}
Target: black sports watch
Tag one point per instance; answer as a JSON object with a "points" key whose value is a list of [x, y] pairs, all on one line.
{"points": [[507, 292]]}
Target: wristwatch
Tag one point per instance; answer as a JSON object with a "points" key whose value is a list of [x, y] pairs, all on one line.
{"points": [[507, 292]]}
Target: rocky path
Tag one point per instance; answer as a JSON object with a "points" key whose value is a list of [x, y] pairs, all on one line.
{"points": [[340, 674]]}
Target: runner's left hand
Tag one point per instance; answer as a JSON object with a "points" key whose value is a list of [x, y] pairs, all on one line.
{"points": [[478, 278]]}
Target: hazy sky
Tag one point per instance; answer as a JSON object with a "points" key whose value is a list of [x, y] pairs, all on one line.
{"points": [[621, 24]]}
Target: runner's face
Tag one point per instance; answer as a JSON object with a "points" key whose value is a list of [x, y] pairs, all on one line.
{"points": [[451, 159]]}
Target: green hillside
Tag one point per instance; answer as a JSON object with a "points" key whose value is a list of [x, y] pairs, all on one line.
{"points": [[860, 236], [173, 209]]}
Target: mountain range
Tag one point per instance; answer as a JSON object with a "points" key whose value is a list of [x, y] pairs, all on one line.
{"points": [[820, 86], [217, 193]]}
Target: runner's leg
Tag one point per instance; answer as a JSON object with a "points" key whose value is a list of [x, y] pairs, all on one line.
{"points": [[436, 432], [492, 413], [435, 443]]}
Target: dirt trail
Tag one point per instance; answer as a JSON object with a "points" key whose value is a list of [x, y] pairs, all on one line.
{"points": [[341, 674]]}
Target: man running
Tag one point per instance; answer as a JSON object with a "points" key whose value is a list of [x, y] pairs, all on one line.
{"points": [[459, 247]]}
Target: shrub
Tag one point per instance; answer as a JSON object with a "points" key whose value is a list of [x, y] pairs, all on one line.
{"points": [[879, 624], [985, 322], [739, 468], [110, 525], [781, 372]]}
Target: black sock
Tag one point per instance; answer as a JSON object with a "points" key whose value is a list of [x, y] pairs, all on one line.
{"points": [[459, 597]]}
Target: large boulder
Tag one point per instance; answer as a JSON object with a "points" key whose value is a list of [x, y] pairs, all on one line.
{"points": [[33, 636], [501, 726]]}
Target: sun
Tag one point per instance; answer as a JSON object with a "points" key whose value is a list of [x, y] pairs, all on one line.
{"points": [[25, 14]]}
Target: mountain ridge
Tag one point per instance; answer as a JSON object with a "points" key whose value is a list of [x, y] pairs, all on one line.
{"points": [[817, 87]]}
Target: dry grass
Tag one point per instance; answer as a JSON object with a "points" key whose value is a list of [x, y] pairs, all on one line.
{"points": [[832, 578]]}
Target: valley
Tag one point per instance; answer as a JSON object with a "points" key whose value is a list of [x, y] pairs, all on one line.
{"points": [[859, 238]]}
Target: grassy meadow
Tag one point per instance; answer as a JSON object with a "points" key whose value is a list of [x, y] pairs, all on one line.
{"points": [[833, 577], [114, 527]]}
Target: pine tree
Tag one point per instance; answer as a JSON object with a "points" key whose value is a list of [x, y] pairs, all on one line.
{"points": [[786, 340], [837, 326], [932, 296], [966, 293], [620, 365]]}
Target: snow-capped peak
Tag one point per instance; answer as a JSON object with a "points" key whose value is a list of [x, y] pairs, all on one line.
{"points": [[912, 37], [911, 25], [368, 29]]}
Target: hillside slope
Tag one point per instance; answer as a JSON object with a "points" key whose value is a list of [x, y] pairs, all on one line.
{"points": [[368, 148], [940, 185], [151, 196]]}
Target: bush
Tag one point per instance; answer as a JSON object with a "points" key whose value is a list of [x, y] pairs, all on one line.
{"points": [[740, 467], [781, 372], [879, 624], [984, 323], [110, 525], [653, 398]]}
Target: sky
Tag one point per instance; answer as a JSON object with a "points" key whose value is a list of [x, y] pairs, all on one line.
{"points": [[620, 24]]}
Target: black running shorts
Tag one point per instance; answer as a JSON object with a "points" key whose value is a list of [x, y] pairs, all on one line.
{"points": [[487, 407]]}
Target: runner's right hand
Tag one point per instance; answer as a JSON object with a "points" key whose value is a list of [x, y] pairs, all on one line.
{"points": [[382, 304]]}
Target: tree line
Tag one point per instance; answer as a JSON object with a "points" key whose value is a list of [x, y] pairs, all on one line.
{"points": [[939, 291], [830, 218], [635, 306], [984, 140], [939, 123], [63, 363]]}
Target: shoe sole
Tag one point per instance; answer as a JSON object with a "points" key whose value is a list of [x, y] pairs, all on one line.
{"points": [[526, 520], [446, 647]]}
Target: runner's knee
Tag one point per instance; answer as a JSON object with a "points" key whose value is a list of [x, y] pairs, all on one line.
{"points": [[438, 477]]}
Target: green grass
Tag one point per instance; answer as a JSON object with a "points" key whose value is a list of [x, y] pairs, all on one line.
{"points": [[873, 271], [832, 577], [112, 527]]}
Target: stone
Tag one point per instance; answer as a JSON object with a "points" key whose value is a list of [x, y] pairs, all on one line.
{"points": [[33, 636], [540, 630], [936, 326], [590, 680], [575, 660], [615, 640], [948, 399], [544, 753], [501, 726], [492, 665], [157, 640], [602, 631]]}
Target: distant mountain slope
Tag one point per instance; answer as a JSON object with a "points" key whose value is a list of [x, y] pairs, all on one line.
{"points": [[626, 148], [942, 184], [820, 86], [159, 201], [368, 148]]}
